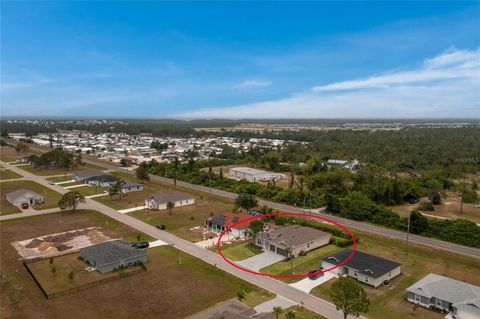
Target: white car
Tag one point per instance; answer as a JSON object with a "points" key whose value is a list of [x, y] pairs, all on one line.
{"points": [[476, 205]]}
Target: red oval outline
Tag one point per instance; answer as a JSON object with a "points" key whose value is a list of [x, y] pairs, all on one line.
{"points": [[287, 214]]}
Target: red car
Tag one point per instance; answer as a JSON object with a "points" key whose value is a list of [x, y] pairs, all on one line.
{"points": [[24, 206]]}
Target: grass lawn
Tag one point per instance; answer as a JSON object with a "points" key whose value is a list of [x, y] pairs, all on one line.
{"points": [[55, 171], [87, 190], [301, 313], [239, 251], [301, 264], [58, 179], [419, 262], [8, 174], [50, 197], [174, 286]]}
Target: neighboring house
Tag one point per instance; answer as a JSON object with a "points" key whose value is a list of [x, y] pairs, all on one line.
{"points": [[350, 165], [459, 298], [159, 200], [82, 175], [23, 196], [103, 180], [112, 255], [254, 175], [366, 268], [220, 223], [294, 238], [230, 309], [128, 187], [23, 160]]}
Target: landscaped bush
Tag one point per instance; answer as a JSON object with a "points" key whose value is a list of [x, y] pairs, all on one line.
{"points": [[426, 206]]}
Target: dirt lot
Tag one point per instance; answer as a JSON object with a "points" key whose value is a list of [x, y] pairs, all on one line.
{"points": [[174, 286], [449, 208], [56, 171], [8, 154], [419, 262], [60, 243]]}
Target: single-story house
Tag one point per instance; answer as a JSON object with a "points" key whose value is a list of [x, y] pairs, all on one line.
{"points": [[220, 223], [159, 200], [366, 268], [103, 180], [111, 255], [128, 187], [295, 238], [459, 298], [23, 196], [82, 175]]}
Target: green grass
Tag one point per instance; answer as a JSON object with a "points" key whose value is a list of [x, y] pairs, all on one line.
{"points": [[239, 251], [301, 264], [41, 171], [301, 313], [87, 190], [58, 179], [8, 174], [419, 262]]}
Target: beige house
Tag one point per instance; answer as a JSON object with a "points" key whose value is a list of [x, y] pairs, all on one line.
{"points": [[294, 238], [159, 200]]}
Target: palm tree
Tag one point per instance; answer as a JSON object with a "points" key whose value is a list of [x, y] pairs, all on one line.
{"points": [[170, 206], [290, 315], [277, 311]]}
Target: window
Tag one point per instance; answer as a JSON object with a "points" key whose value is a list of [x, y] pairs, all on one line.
{"points": [[389, 274], [366, 279], [439, 303], [417, 298], [355, 273]]}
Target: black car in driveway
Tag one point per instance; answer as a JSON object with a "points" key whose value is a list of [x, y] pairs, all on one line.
{"points": [[140, 245], [315, 274], [161, 226]]}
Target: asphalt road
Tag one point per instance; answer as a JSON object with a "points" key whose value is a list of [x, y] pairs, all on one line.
{"points": [[310, 302], [378, 230]]}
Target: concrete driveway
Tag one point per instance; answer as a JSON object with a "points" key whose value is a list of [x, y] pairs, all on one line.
{"points": [[306, 284], [260, 261]]}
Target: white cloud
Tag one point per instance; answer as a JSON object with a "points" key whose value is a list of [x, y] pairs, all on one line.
{"points": [[447, 85], [252, 84]]}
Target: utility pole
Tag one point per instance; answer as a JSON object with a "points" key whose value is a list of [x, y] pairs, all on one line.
{"points": [[408, 233]]}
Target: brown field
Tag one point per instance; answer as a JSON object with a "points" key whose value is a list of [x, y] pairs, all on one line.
{"points": [[56, 171], [419, 262], [449, 208], [169, 289], [8, 154], [50, 197], [8, 174]]}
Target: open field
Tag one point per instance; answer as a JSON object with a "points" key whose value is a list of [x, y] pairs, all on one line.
{"points": [[50, 197], [449, 208], [63, 178], [301, 313], [42, 171], [8, 174], [8, 154], [301, 264], [174, 286], [419, 262]]}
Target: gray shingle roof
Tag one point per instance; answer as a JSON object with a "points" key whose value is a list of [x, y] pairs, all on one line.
{"points": [[460, 294], [364, 263], [293, 235], [86, 173], [111, 251], [103, 178], [12, 196]]}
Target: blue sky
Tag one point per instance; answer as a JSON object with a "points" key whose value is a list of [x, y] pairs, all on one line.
{"points": [[241, 60]]}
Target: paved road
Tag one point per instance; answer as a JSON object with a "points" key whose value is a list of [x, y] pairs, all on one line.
{"points": [[310, 302], [378, 230]]}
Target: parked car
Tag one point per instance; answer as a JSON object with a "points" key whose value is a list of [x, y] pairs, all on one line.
{"points": [[51, 183], [140, 245], [476, 205], [24, 206], [315, 274], [161, 226]]}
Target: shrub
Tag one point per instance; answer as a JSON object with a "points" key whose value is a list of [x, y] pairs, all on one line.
{"points": [[426, 206]]}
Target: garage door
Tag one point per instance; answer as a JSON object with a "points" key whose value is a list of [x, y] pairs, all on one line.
{"points": [[272, 247], [282, 252]]}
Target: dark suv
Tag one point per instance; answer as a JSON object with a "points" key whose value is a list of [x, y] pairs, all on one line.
{"points": [[140, 245], [161, 226]]}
